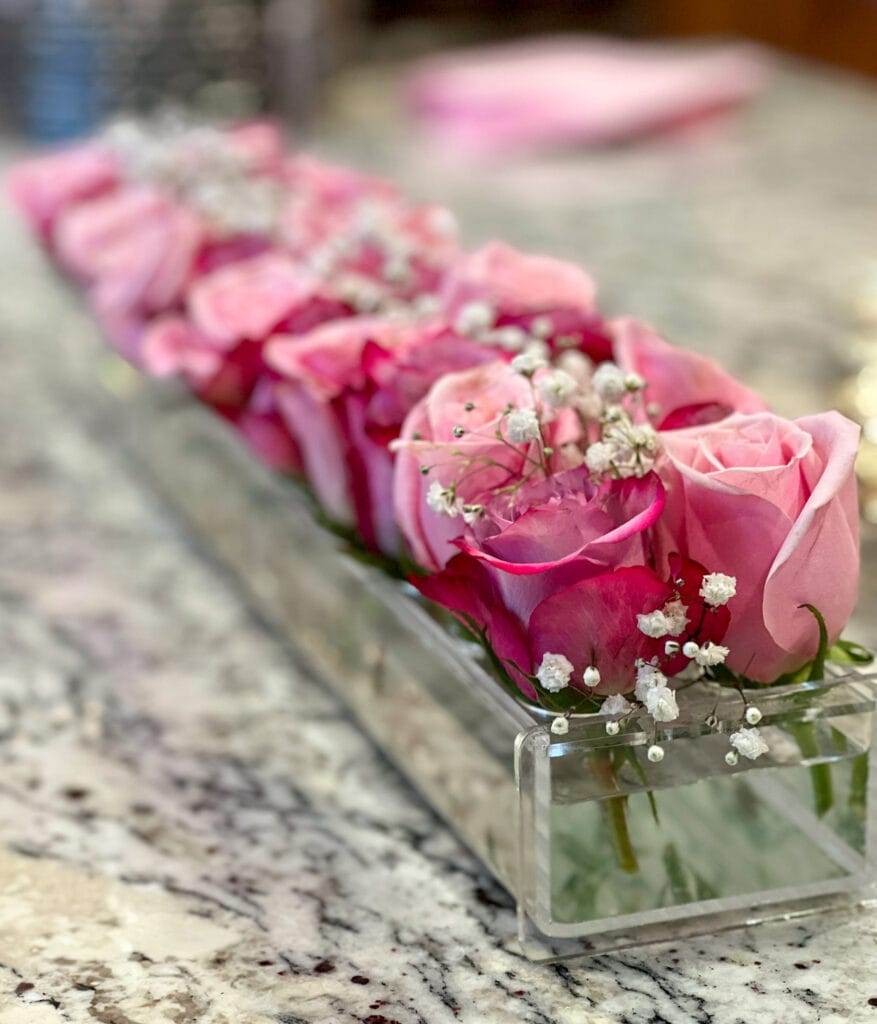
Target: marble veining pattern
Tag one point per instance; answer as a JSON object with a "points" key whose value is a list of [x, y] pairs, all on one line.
{"points": [[191, 830]]}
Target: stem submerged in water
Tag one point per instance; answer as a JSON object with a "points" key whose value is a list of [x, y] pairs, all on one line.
{"points": [[820, 774], [616, 809]]}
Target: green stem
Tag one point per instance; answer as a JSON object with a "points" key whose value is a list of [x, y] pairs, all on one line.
{"points": [[616, 807], [859, 782], [820, 774]]}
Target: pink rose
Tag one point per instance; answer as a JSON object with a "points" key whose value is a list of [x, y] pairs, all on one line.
{"points": [[432, 450], [46, 186], [772, 503], [218, 345], [535, 294], [682, 388], [135, 250]]}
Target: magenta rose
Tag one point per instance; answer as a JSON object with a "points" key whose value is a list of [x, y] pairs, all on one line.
{"points": [[683, 388], [563, 567], [771, 502], [359, 378], [321, 393]]}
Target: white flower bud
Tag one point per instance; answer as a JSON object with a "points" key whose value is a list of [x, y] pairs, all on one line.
{"points": [[613, 728], [522, 425], [655, 753], [717, 588], [560, 726], [691, 649], [591, 676], [554, 672], [731, 758], [749, 743], [633, 382], [753, 715], [671, 647]]}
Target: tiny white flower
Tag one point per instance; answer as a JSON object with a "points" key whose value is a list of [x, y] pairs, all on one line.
{"points": [[474, 318], [554, 672], [472, 513], [443, 221], [598, 457], [608, 382], [661, 704], [591, 676], [644, 436], [731, 758], [613, 728], [442, 500], [557, 388], [541, 326], [512, 339], [616, 705], [560, 726], [576, 364], [753, 715], [749, 743], [648, 676], [522, 425], [654, 624], [655, 753], [529, 361], [691, 649], [426, 305], [677, 617], [710, 654], [717, 588]]}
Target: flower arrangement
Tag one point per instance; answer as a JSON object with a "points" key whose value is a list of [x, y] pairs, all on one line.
{"points": [[615, 519]]}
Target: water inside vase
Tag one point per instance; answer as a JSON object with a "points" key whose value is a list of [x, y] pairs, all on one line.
{"points": [[725, 836]]}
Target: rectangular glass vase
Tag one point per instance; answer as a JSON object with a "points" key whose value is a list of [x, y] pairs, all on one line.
{"points": [[602, 848]]}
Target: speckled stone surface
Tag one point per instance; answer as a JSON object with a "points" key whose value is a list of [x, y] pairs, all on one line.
{"points": [[191, 830]]}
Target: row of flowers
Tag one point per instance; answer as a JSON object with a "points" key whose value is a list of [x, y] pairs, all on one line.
{"points": [[614, 516]]}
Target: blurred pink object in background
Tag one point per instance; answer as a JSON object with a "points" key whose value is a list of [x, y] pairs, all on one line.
{"points": [[576, 90]]}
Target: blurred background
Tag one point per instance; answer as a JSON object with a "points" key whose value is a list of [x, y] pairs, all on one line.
{"points": [[66, 64]]}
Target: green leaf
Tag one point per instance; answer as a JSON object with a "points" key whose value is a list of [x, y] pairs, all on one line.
{"points": [[846, 652], [817, 666]]}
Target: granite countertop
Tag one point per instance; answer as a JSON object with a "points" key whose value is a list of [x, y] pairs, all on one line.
{"points": [[191, 830]]}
